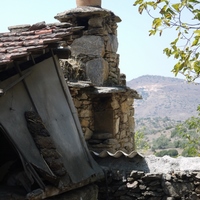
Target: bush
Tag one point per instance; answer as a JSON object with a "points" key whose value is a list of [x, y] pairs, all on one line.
{"points": [[162, 143], [171, 152]]}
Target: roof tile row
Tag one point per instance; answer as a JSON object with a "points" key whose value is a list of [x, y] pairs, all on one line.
{"points": [[24, 39]]}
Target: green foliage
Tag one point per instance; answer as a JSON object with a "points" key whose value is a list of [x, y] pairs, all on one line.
{"points": [[185, 135], [161, 143], [190, 132], [140, 141], [171, 152], [181, 143], [185, 46]]}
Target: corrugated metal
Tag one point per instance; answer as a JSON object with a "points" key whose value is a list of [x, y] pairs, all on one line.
{"points": [[117, 154]]}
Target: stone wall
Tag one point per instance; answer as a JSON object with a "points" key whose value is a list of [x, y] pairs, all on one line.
{"points": [[129, 185], [94, 48], [106, 113], [89, 192], [106, 117]]}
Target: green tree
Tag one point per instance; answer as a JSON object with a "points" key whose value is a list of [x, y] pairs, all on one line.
{"points": [[190, 132], [183, 16], [161, 142], [140, 141]]}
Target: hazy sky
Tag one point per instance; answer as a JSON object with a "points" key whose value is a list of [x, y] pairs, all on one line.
{"points": [[139, 53]]}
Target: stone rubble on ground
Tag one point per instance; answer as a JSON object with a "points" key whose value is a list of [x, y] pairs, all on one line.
{"points": [[163, 178]]}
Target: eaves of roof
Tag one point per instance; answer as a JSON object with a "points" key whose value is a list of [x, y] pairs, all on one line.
{"points": [[22, 40]]}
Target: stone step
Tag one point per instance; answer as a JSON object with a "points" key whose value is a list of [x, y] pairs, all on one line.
{"points": [[102, 136]]}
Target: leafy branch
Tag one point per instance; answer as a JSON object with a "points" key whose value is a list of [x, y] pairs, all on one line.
{"points": [[185, 46]]}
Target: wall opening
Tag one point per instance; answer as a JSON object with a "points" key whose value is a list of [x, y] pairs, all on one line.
{"points": [[103, 115], [83, 21]]}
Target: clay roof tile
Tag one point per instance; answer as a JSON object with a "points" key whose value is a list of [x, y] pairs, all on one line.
{"points": [[24, 39]]}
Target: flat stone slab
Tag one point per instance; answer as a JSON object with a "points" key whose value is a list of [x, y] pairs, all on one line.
{"points": [[85, 11]]}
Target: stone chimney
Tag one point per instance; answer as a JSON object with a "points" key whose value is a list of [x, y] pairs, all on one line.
{"points": [[94, 50]]}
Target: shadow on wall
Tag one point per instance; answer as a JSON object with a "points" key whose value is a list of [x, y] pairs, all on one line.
{"points": [[124, 163]]}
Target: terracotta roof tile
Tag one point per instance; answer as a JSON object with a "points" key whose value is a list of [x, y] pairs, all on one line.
{"points": [[22, 40], [3, 50], [29, 37], [36, 48], [27, 43], [12, 44], [14, 50], [25, 33], [9, 39], [39, 32]]}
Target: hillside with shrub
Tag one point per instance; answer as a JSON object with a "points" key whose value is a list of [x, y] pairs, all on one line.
{"points": [[167, 103], [163, 136]]}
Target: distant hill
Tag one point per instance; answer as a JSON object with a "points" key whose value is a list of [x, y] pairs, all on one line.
{"points": [[165, 97]]}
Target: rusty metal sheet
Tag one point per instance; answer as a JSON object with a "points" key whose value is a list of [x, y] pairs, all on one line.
{"points": [[53, 103]]}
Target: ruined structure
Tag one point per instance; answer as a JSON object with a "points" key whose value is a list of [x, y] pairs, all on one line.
{"points": [[50, 119], [38, 123], [103, 102]]}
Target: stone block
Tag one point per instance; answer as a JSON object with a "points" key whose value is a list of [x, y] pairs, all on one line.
{"points": [[130, 101], [86, 102], [84, 96], [88, 134], [131, 124], [85, 113], [77, 103], [125, 107], [197, 190], [112, 44], [111, 141], [97, 71], [128, 145], [96, 31], [88, 45], [95, 22], [124, 118], [115, 104], [102, 136], [123, 134], [117, 125], [132, 185], [177, 189], [85, 123]]}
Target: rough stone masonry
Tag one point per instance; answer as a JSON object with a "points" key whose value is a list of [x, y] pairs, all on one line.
{"points": [[150, 178], [103, 102], [93, 76]]}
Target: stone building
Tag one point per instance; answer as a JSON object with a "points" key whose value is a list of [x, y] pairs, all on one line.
{"points": [[45, 137], [104, 103], [39, 123]]}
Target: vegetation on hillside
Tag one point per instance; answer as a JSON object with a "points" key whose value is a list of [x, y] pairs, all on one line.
{"points": [[182, 16], [168, 137]]}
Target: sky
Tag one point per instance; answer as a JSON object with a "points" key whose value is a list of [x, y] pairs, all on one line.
{"points": [[139, 53]]}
